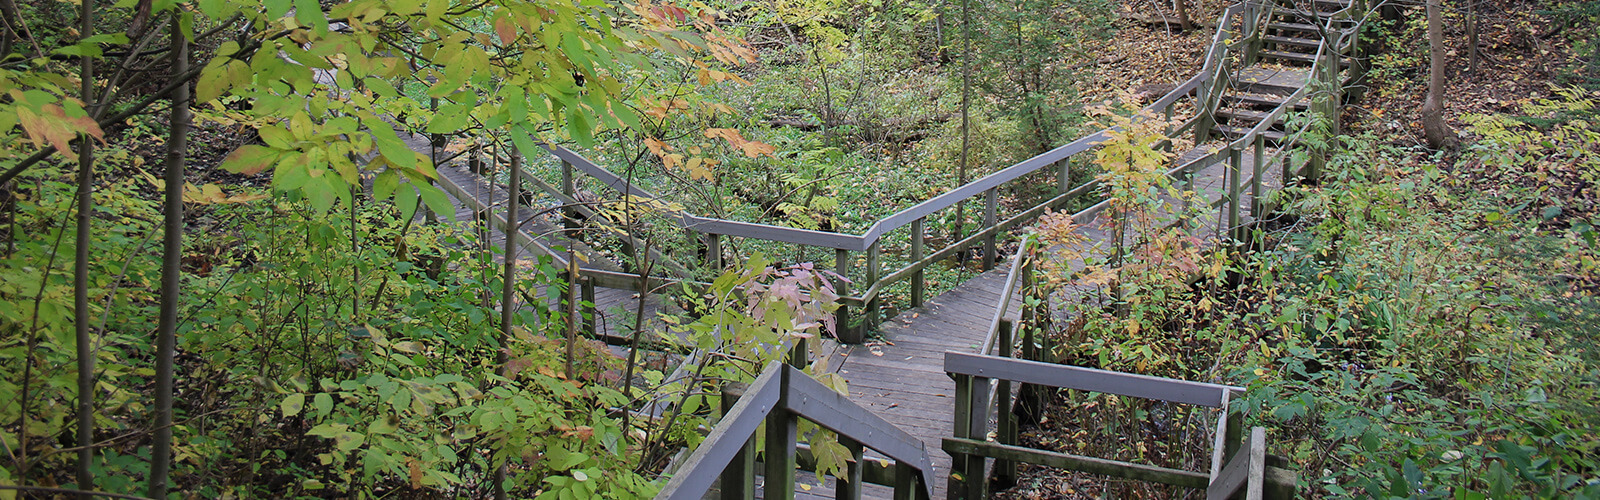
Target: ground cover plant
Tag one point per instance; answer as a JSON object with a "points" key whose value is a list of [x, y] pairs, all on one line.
{"points": [[1417, 324]]}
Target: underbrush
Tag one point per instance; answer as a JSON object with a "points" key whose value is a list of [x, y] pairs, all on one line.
{"points": [[1406, 329]]}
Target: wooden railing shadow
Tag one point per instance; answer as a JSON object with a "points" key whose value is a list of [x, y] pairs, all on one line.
{"points": [[971, 451], [779, 397]]}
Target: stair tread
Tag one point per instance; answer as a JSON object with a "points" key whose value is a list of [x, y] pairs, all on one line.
{"points": [[1289, 40], [1254, 100], [1252, 115], [1271, 135], [1297, 56], [1292, 26]]}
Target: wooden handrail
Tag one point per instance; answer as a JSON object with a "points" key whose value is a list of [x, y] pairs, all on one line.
{"points": [[1007, 292], [781, 394], [1087, 379], [1236, 463]]}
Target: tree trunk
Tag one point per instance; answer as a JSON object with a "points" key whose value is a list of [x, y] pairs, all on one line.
{"points": [[1472, 36], [80, 272], [171, 261], [1434, 129], [1183, 14], [958, 232]]}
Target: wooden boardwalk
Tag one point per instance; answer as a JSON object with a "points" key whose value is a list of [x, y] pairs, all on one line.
{"points": [[899, 375]]}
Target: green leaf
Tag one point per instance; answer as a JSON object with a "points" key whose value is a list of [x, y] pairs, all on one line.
{"points": [[406, 201], [450, 118], [309, 13], [381, 87], [347, 441], [389, 143], [387, 425], [213, 81], [579, 126], [561, 459], [291, 405], [323, 403], [250, 159], [437, 201]]}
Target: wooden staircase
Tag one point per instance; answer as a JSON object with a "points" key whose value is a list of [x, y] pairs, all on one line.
{"points": [[1281, 64]]}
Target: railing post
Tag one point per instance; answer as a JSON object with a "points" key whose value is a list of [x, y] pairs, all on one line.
{"points": [[714, 251], [738, 480], [1064, 174], [569, 215], [872, 317], [1166, 117], [1260, 156], [849, 486], [780, 452], [905, 482], [590, 314], [1235, 157], [800, 353], [963, 424], [1005, 471], [846, 334], [918, 285], [991, 204]]}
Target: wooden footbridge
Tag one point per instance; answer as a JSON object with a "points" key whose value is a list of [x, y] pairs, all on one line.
{"points": [[924, 393]]}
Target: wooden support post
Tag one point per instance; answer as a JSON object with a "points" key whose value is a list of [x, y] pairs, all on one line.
{"points": [[1251, 15], [714, 251], [846, 334], [1258, 463], [1256, 167], [569, 215], [957, 483], [919, 286], [849, 486], [780, 453], [1188, 187], [978, 428], [1234, 437], [905, 482], [800, 353], [871, 311], [1235, 158], [1064, 173], [738, 480], [1166, 116], [991, 205], [590, 313], [1005, 471]]}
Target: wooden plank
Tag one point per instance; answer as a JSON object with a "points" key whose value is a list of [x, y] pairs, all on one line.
{"points": [[1088, 379], [1113, 468]]}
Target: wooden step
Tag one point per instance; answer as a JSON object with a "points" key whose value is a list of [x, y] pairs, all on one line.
{"points": [[1291, 15], [1297, 57], [1237, 132], [1245, 115], [1293, 27], [1310, 43], [1289, 56], [1266, 87], [1263, 101]]}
